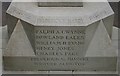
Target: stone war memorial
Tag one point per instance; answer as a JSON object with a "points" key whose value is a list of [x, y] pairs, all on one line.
{"points": [[60, 35]]}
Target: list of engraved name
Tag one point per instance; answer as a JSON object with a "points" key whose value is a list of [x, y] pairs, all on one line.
{"points": [[64, 43]]}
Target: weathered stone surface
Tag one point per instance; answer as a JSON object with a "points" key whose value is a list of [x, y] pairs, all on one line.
{"points": [[11, 22], [19, 44], [60, 41], [114, 37], [108, 22], [38, 64], [48, 59], [30, 32], [60, 4], [101, 43], [3, 37], [64, 38], [69, 16]]}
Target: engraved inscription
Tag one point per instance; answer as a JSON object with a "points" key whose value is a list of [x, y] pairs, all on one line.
{"points": [[59, 45], [59, 40]]}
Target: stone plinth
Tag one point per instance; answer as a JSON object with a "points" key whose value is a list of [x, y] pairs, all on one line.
{"points": [[60, 38]]}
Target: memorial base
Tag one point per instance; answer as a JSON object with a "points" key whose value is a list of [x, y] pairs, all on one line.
{"points": [[35, 40], [70, 73], [79, 64]]}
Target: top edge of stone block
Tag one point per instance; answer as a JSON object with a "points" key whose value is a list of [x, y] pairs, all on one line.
{"points": [[59, 0], [60, 4], [56, 0], [55, 16]]}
